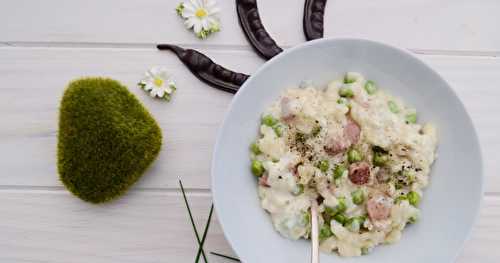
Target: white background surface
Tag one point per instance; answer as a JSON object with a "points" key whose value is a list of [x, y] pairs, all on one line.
{"points": [[45, 44]]}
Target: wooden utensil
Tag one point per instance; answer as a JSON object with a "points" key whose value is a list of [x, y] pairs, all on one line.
{"points": [[314, 232]]}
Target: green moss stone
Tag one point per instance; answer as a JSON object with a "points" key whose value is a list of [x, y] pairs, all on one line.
{"points": [[107, 139]]}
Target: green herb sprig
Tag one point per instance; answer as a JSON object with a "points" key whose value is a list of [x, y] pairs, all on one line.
{"points": [[201, 251], [200, 242], [224, 256]]}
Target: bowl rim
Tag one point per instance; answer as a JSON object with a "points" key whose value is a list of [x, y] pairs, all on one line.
{"points": [[333, 40]]}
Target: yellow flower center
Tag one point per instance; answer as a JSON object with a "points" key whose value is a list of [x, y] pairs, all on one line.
{"points": [[200, 13], [158, 82]]}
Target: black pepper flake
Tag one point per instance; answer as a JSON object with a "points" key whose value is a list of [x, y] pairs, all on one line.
{"points": [[280, 177]]}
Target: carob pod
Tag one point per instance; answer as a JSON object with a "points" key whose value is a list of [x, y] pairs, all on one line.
{"points": [[206, 70], [314, 12], [249, 17]]}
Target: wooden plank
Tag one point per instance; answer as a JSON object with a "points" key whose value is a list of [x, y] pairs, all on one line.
{"points": [[29, 109], [52, 226], [450, 25], [34, 78]]}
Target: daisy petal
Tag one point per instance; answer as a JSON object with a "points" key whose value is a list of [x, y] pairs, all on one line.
{"points": [[160, 93], [148, 86], [197, 27], [154, 71], [188, 14], [213, 11], [168, 89], [212, 21], [189, 23], [205, 24], [195, 4], [189, 6], [152, 93]]}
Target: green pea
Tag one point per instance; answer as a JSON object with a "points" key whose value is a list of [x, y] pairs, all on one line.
{"points": [[409, 176], [324, 165], [325, 232], [316, 130], [329, 211], [341, 218], [269, 120], [353, 224], [393, 107], [380, 159], [354, 156], [370, 87], [299, 190], [399, 184], [278, 130], [358, 197], [349, 78], [342, 101], [346, 92], [341, 207], [339, 171], [255, 148], [257, 168], [306, 218], [411, 118], [413, 219], [345, 102], [413, 198], [400, 198]]}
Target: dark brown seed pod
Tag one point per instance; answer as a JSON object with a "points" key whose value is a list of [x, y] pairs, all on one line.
{"points": [[314, 12], [206, 70], [249, 17]]}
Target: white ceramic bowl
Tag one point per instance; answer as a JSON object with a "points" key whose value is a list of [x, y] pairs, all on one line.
{"points": [[451, 202]]}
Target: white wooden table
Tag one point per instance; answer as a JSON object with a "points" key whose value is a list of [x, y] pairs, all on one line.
{"points": [[45, 44]]}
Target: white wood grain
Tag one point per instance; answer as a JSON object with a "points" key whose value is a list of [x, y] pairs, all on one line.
{"points": [[41, 222], [29, 110], [145, 227], [34, 78], [465, 25]]}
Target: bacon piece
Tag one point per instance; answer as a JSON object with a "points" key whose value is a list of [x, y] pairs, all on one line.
{"points": [[263, 181], [379, 208], [359, 173], [335, 146], [287, 113], [352, 131], [338, 144]]}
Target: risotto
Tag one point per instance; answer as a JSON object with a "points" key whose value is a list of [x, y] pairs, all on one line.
{"points": [[354, 148]]}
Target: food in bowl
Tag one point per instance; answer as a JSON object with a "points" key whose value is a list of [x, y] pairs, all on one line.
{"points": [[356, 149]]}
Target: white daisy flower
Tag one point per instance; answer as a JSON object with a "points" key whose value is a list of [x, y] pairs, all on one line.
{"points": [[200, 15], [158, 82]]}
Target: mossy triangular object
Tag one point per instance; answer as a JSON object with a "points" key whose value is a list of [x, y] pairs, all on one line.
{"points": [[107, 139]]}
